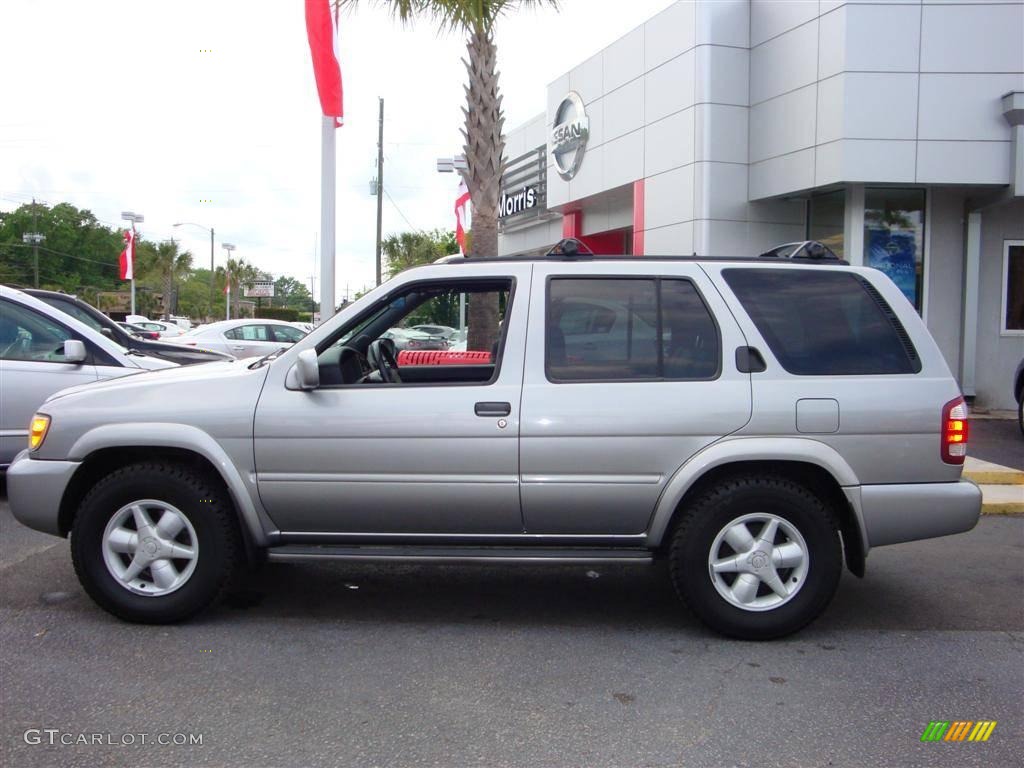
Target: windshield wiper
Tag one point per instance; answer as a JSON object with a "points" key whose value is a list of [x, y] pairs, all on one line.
{"points": [[266, 359]]}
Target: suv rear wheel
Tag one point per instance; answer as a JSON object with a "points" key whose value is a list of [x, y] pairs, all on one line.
{"points": [[756, 557], [155, 542]]}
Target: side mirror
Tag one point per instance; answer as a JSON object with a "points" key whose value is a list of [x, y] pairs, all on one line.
{"points": [[305, 374], [106, 332], [74, 351]]}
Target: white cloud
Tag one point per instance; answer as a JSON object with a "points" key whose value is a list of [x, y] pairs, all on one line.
{"points": [[114, 105]]}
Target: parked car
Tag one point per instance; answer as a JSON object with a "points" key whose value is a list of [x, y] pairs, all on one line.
{"points": [[125, 333], [409, 338], [1018, 394], [443, 331], [43, 351], [182, 322], [244, 337], [167, 330], [140, 332], [785, 417]]}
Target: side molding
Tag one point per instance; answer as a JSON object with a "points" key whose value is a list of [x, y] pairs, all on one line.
{"points": [[738, 449], [184, 437]]}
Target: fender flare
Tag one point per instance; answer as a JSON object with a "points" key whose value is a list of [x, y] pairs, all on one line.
{"points": [[183, 437], [738, 449]]}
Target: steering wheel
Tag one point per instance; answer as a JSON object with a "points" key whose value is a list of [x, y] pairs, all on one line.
{"points": [[381, 355]]}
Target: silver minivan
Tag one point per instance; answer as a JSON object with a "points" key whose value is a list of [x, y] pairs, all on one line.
{"points": [[756, 423]]}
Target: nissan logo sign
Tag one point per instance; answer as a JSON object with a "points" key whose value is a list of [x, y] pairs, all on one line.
{"points": [[569, 135]]}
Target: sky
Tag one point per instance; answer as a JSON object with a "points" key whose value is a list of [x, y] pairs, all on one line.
{"points": [[206, 111]]}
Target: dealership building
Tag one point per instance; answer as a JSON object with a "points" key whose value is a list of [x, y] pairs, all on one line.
{"points": [[893, 132]]}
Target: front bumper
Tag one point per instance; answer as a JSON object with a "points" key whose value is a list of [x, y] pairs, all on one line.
{"points": [[896, 513], [35, 489]]}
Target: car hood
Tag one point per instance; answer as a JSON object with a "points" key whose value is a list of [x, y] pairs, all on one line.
{"points": [[217, 398], [154, 373], [147, 363]]}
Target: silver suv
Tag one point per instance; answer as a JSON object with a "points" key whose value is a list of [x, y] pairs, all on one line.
{"points": [[753, 422]]}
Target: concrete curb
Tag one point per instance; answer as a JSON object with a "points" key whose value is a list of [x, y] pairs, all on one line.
{"points": [[1002, 499]]}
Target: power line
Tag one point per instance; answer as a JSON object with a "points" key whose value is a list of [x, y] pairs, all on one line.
{"points": [[60, 253], [406, 218]]}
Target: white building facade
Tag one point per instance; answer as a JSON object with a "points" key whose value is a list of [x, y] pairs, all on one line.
{"points": [[891, 131]]}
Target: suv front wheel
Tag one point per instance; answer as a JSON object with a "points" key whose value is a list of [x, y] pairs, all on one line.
{"points": [[756, 557], [155, 542]]}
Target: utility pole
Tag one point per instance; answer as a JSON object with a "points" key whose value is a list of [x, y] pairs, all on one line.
{"points": [[380, 181], [209, 312], [312, 297], [34, 238]]}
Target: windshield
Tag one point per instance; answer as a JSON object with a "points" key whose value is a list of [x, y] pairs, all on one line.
{"points": [[75, 311]]}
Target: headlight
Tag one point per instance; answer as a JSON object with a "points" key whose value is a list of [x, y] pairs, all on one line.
{"points": [[37, 430]]}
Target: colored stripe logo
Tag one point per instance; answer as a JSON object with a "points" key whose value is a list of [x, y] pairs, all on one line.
{"points": [[958, 730]]}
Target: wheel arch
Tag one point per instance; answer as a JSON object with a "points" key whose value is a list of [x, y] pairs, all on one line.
{"points": [[111, 446], [808, 462]]}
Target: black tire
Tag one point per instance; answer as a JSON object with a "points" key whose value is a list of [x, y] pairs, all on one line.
{"points": [[210, 512], [712, 511], [1020, 415]]}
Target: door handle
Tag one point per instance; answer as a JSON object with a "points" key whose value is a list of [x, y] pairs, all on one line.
{"points": [[239, 348], [493, 409]]}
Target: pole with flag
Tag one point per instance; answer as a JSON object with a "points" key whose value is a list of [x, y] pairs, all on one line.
{"points": [[463, 212], [463, 224], [127, 261], [322, 30]]}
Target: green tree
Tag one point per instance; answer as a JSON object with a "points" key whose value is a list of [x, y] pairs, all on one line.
{"points": [[484, 122], [79, 254], [293, 294], [412, 249], [163, 265]]}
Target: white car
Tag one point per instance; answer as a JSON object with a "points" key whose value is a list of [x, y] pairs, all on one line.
{"points": [[182, 322], [410, 339], [166, 330], [246, 337], [44, 350]]}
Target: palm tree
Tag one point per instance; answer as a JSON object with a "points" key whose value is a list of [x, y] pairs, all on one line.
{"points": [[484, 141], [240, 273], [411, 249], [167, 264]]}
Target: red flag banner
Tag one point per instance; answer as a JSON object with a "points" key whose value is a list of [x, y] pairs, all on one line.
{"points": [[127, 259], [462, 216], [322, 29]]}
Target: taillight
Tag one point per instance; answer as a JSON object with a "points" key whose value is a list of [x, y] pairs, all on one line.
{"points": [[954, 431]]}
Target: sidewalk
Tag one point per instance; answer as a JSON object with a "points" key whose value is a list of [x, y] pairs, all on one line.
{"points": [[1002, 488], [996, 463]]}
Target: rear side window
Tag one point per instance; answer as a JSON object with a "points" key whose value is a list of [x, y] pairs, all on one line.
{"points": [[606, 329], [820, 322], [248, 333]]}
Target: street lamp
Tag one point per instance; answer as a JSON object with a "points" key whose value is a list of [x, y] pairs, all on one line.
{"points": [[209, 312], [452, 164], [134, 218], [34, 239], [229, 248]]}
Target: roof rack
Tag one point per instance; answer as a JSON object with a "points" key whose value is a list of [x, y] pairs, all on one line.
{"points": [[805, 250], [569, 248]]}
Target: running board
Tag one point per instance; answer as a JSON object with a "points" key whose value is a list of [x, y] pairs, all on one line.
{"points": [[460, 555]]}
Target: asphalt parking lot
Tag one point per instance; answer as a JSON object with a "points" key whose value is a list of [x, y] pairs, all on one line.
{"points": [[516, 666]]}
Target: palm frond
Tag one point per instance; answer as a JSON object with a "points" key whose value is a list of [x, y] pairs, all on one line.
{"points": [[453, 15]]}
